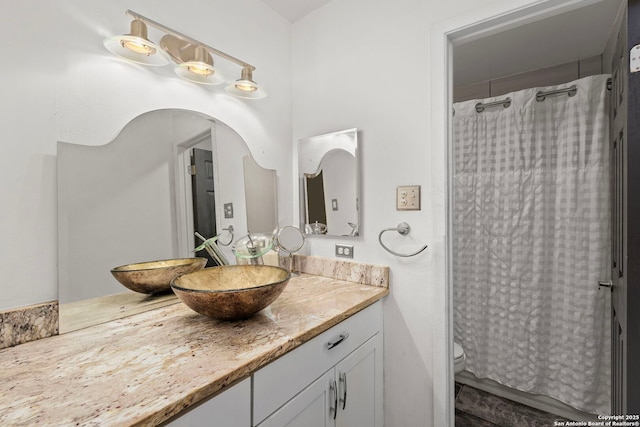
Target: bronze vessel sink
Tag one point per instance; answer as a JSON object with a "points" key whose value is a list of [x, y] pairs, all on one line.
{"points": [[231, 292]]}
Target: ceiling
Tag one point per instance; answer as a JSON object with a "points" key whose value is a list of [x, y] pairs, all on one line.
{"points": [[573, 35], [294, 9]]}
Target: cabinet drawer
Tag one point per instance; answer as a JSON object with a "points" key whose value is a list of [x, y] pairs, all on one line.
{"points": [[231, 408], [285, 377]]}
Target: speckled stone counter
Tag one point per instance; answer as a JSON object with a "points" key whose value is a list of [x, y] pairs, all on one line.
{"points": [[143, 369]]}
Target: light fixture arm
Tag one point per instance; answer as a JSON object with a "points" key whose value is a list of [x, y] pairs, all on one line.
{"points": [[186, 38]]}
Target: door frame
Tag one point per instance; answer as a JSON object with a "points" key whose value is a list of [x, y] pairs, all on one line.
{"points": [[183, 194], [478, 23]]}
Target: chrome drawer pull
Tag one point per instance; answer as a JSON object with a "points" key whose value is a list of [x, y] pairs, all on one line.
{"points": [[341, 338]]}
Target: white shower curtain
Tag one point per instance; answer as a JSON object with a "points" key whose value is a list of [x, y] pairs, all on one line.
{"points": [[532, 240]]}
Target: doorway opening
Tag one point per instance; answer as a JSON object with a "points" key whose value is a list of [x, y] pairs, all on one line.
{"points": [[461, 34]]}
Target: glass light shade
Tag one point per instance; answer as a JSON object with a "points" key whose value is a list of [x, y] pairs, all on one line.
{"points": [[137, 49], [199, 72], [138, 46], [257, 93], [245, 87]]}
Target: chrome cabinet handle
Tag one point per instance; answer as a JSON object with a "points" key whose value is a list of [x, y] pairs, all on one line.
{"points": [[334, 389], [343, 380], [341, 338]]}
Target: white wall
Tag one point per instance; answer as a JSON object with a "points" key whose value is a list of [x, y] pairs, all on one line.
{"points": [[350, 61], [62, 85]]}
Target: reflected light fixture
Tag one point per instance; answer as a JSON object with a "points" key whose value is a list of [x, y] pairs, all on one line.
{"points": [[194, 59], [245, 87]]}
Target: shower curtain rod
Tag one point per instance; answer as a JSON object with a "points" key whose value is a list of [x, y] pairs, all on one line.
{"points": [[540, 96]]}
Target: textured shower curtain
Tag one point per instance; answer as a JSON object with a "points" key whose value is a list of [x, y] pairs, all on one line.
{"points": [[532, 240]]}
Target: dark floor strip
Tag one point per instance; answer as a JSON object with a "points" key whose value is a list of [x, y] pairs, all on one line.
{"points": [[467, 420], [474, 405]]}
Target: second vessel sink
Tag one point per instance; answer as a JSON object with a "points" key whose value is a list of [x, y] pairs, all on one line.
{"points": [[155, 276]]}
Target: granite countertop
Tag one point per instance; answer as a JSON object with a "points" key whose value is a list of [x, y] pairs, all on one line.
{"points": [[143, 369]]}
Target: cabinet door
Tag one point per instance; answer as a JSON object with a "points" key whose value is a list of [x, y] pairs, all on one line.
{"points": [[231, 408], [359, 378], [312, 407]]}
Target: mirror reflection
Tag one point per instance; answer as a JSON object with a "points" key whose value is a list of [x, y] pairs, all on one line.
{"points": [[142, 197], [328, 174]]}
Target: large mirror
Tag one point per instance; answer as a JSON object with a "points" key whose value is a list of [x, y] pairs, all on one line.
{"points": [[329, 185], [167, 175]]}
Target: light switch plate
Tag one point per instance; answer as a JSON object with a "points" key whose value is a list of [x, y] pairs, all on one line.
{"points": [[408, 198]]}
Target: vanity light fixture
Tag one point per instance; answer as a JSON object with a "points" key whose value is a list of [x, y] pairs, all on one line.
{"points": [[194, 59]]}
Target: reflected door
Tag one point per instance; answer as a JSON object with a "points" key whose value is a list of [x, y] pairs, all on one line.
{"points": [[316, 211], [204, 207]]}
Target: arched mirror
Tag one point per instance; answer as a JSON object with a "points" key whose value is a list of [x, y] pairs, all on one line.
{"points": [[329, 184], [142, 197]]}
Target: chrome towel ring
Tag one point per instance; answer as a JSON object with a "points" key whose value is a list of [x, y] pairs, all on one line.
{"points": [[402, 228], [230, 230]]}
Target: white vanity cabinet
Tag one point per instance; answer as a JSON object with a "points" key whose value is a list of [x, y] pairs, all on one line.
{"points": [[333, 380], [231, 408]]}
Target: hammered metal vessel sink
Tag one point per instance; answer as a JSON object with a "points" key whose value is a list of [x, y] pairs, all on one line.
{"points": [[155, 276], [231, 292]]}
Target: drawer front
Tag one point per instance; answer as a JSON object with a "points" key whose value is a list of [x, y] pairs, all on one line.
{"points": [[285, 377], [231, 408]]}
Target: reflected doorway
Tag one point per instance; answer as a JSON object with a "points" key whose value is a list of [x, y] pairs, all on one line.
{"points": [[203, 197]]}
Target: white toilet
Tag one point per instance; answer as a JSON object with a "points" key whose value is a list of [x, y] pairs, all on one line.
{"points": [[459, 358]]}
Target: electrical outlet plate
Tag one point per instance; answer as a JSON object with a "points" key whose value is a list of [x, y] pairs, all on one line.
{"points": [[408, 198], [344, 251]]}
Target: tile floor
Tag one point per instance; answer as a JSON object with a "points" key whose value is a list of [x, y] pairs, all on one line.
{"points": [[477, 408]]}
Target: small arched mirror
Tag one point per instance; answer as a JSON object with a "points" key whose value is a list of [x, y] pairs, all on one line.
{"points": [[329, 185], [289, 239]]}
